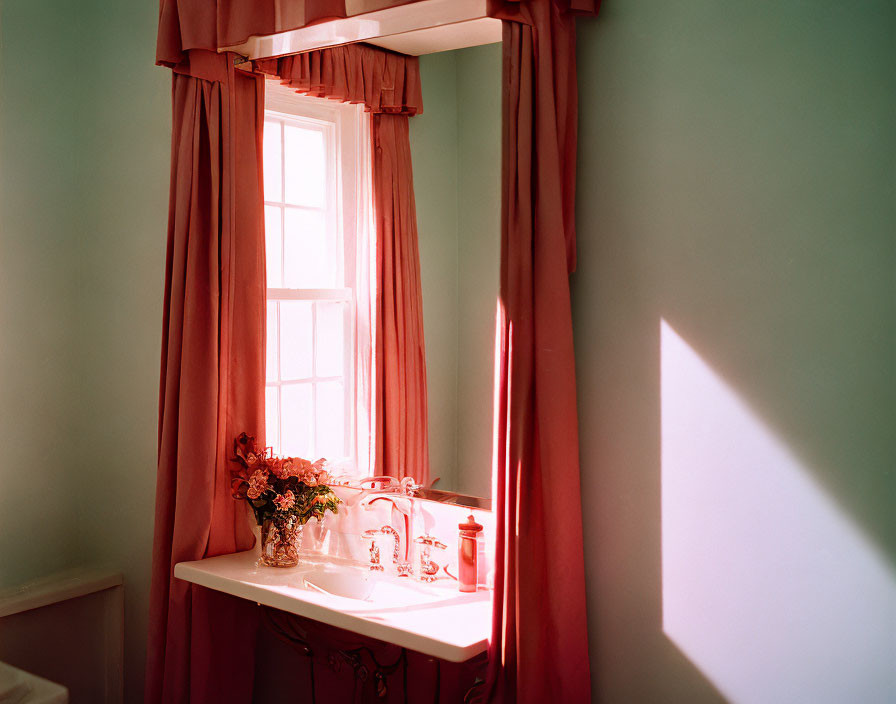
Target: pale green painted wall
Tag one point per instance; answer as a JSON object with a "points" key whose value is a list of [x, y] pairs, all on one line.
{"points": [[84, 161], [456, 149], [40, 214], [479, 264], [122, 270], [736, 178], [434, 154]]}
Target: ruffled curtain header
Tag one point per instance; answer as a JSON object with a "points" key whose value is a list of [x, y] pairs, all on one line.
{"points": [[214, 24], [380, 80]]}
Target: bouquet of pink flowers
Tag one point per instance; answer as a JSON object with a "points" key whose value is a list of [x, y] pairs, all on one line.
{"points": [[279, 487]]}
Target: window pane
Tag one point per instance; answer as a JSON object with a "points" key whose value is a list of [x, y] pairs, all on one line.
{"points": [[306, 167], [331, 420], [306, 339], [296, 340], [271, 343], [273, 245], [273, 176], [330, 339], [296, 423], [271, 418], [310, 254]]}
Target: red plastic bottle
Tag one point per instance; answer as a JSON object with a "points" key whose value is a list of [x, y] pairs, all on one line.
{"points": [[468, 554]]}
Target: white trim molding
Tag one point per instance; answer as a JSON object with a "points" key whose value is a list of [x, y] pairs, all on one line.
{"points": [[421, 27]]}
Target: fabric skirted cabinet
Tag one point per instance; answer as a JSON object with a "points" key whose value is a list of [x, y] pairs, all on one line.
{"points": [[303, 661]]}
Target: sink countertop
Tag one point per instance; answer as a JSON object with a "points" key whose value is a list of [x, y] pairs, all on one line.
{"points": [[442, 622]]}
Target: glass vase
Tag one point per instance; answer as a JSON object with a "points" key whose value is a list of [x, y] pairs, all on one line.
{"points": [[280, 538]]}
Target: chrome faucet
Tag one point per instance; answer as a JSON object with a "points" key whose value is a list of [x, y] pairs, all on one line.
{"points": [[403, 568], [428, 568], [404, 505], [374, 565]]}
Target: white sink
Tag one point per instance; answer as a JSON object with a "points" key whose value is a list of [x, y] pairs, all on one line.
{"points": [[372, 587], [345, 582], [434, 619]]}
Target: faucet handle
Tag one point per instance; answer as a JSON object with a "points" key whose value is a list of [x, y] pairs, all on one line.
{"points": [[429, 541], [409, 487], [428, 568], [371, 535]]}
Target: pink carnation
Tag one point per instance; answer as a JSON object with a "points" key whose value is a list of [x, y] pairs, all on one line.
{"points": [[314, 474], [278, 468], [258, 484], [286, 501], [294, 467]]}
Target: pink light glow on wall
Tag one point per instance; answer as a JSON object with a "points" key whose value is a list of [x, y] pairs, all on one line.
{"points": [[770, 591]]}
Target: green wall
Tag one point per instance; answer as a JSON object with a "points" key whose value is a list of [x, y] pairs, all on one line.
{"points": [[736, 180], [456, 150], [84, 162], [40, 215], [479, 259], [434, 154], [122, 273]]}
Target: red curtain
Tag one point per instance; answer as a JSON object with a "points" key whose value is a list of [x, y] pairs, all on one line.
{"points": [[212, 378], [388, 85], [402, 444], [539, 646], [355, 73]]}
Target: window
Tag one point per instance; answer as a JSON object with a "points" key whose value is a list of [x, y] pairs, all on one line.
{"points": [[315, 237]]}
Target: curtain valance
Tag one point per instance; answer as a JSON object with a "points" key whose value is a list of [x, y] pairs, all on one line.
{"points": [[382, 81], [213, 24]]}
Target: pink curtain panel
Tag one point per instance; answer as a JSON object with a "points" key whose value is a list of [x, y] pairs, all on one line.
{"points": [[212, 377]]}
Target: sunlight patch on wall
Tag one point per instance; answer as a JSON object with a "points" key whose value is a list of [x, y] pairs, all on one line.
{"points": [[770, 591]]}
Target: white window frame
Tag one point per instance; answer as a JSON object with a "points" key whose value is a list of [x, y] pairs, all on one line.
{"points": [[346, 131]]}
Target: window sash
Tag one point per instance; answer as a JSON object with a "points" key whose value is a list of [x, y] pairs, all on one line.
{"points": [[347, 213]]}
